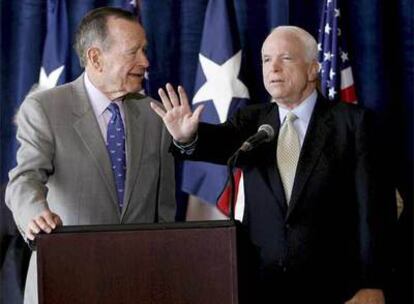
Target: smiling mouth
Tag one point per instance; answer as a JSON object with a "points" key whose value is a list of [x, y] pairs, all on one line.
{"points": [[140, 75], [276, 81]]}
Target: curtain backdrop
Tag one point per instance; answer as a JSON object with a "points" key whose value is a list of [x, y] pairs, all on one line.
{"points": [[379, 36]]}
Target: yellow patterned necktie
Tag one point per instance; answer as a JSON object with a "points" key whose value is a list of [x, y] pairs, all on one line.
{"points": [[288, 150]]}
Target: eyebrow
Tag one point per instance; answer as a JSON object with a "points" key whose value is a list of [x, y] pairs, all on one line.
{"points": [[137, 47], [278, 55]]}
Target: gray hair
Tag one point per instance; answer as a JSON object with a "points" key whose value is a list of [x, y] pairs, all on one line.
{"points": [[93, 29], [309, 43]]}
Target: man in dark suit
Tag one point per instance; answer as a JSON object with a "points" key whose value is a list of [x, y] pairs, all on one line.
{"points": [[315, 209], [92, 151]]}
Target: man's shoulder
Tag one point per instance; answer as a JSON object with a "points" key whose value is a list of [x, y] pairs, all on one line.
{"points": [[139, 104], [346, 114], [139, 101], [265, 106], [139, 98], [57, 101], [257, 110], [341, 108], [55, 94]]}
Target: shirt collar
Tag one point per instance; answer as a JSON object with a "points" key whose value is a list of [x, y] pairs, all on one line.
{"points": [[303, 111], [98, 99]]}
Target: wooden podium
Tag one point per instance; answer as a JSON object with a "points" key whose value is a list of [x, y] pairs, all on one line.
{"points": [[193, 262]]}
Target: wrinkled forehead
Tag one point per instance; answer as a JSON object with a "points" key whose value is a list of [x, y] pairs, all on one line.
{"points": [[118, 27], [282, 40]]}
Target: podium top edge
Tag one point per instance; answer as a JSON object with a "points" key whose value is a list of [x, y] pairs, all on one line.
{"points": [[142, 226]]}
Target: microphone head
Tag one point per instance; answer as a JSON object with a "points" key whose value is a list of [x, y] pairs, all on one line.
{"points": [[268, 130]]}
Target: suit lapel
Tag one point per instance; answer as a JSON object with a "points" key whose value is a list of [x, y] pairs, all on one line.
{"points": [[314, 142], [275, 183], [88, 130], [269, 171], [135, 135]]}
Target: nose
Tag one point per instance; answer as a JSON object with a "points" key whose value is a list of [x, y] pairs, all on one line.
{"points": [[142, 59], [275, 65]]}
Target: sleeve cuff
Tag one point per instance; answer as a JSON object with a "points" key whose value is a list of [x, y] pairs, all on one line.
{"points": [[187, 149]]}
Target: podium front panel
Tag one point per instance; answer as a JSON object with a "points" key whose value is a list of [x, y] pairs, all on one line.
{"points": [[172, 263]]}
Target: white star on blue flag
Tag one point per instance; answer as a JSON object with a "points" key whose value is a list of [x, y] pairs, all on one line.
{"points": [[219, 87]]}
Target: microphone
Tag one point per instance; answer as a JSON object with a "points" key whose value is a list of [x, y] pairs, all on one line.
{"points": [[265, 133]]}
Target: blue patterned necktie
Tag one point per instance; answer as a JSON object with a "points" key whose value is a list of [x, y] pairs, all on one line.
{"points": [[116, 148]]}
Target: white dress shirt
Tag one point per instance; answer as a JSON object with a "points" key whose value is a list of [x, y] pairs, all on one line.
{"points": [[100, 104], [303, 112]]}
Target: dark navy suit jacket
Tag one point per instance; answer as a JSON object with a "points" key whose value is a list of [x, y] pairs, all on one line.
{"points": [[333, 234]]}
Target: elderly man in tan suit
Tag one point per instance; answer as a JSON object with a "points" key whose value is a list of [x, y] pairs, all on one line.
{"points": [[65, 173]]}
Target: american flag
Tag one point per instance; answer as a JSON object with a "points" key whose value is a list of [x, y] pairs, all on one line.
{"points": [[337, 82]]}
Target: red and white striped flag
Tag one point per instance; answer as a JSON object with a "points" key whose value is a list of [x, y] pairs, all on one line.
{"points": [[337, 82]]}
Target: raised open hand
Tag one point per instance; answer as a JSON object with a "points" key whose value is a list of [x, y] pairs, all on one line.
{"points": [[177, 116]]}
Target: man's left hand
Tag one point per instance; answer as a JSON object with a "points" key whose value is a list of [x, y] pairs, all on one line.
{"points": [[367, 296]]}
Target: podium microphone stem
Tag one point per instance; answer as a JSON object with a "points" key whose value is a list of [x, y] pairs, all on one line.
{"points": [[231, 163]]}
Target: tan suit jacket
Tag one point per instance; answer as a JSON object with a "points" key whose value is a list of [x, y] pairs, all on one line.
{"points": [[63, 165]]}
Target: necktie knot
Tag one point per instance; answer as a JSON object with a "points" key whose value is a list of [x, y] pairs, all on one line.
{"points": [[291, 117], [113, 108]]}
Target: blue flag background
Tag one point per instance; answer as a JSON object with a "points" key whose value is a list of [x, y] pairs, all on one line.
{"points": [[378, 35], [57, 45], [220, 47]]}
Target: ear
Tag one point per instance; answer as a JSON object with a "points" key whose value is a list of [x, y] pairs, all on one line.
{"points": [[95, 58], [313, 71]]}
